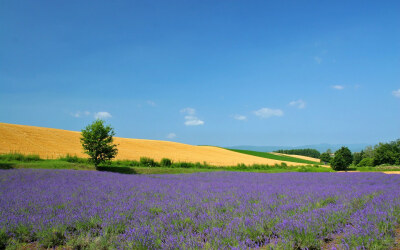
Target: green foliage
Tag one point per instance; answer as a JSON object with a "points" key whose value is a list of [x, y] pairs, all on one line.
{"points": [[387, 153], [165, 162], [3, 239], [305, 152], [342, 160], [97, 142], [52, 237], [366, 162], [325, 158], [19, 157], [72, 159], [148, 162], [357, 157]]}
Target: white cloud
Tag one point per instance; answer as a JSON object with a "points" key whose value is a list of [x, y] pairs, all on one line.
{"points": [[189, 111], [299, 104], [396, 93], [267, 112], [79, 114], [102, 115], [240, 117], [191, 118], [318, 59], [171, 135], [338, 87], [193, 121], [151, 103]]}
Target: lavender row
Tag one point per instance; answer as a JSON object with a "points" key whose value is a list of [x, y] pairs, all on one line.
{"points": [[224, 210]]}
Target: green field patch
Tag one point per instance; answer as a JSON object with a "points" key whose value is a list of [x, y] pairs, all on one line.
{"points": [[274, 157]]}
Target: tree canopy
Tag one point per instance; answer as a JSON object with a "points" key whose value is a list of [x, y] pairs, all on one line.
{"points": [[97, 142], [342, 159]]}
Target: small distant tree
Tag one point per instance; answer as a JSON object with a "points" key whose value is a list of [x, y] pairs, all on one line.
{"points": [[357, 157], [342, 159], [97, 142], [325, 157]]}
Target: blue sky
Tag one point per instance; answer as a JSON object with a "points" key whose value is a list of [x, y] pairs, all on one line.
{"points": [[205, 72]]}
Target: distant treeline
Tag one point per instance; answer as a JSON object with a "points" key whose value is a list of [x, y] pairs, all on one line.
{"points": [[305, 152], [382, 153]]}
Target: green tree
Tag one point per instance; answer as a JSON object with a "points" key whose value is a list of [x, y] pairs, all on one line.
{"points": [[357, 157], [97, 142], [387, 153], [342, 160], [325, 158]]}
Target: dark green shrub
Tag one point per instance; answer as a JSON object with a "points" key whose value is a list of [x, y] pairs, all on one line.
{"points": [[72, 159], [325, 158], [165, 162], [147, 162], [366, 162], [134, 163], [185, 165]]}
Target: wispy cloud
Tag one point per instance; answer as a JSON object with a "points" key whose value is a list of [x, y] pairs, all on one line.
{"points": [[299, 104], [102, 115], [171, 136], [189, 111], [190, 118], [240, 117], [267, 112], [396, 93], [151, 103], [318, 59], [193, 121], [79, 114], [338, 87]]}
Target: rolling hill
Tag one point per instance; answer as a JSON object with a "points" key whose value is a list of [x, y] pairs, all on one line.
{"points": [[53, 143]]}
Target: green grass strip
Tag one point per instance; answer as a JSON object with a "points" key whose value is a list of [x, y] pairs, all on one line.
{"points": [[275, 157]]}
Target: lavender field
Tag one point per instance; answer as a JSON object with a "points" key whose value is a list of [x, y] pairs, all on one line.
{"points": [[217, 210]]}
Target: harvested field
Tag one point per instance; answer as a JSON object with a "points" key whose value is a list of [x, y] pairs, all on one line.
{"points": [[299, 156], [53, 143]]}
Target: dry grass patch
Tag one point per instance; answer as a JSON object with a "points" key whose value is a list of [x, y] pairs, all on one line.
{"points": [[54, 143]]}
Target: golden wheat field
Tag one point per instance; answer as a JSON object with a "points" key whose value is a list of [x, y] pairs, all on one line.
{"points": [[299, 156], [53, 143]]}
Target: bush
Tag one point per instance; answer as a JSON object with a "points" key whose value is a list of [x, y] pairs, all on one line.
{"points": [[325, 158], [72, 159], [366, 162], [147, 162], [165, 162]]}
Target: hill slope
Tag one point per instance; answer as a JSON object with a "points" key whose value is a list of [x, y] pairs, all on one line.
{"points": [[274, 156], [299, 156], [53, 143]]}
